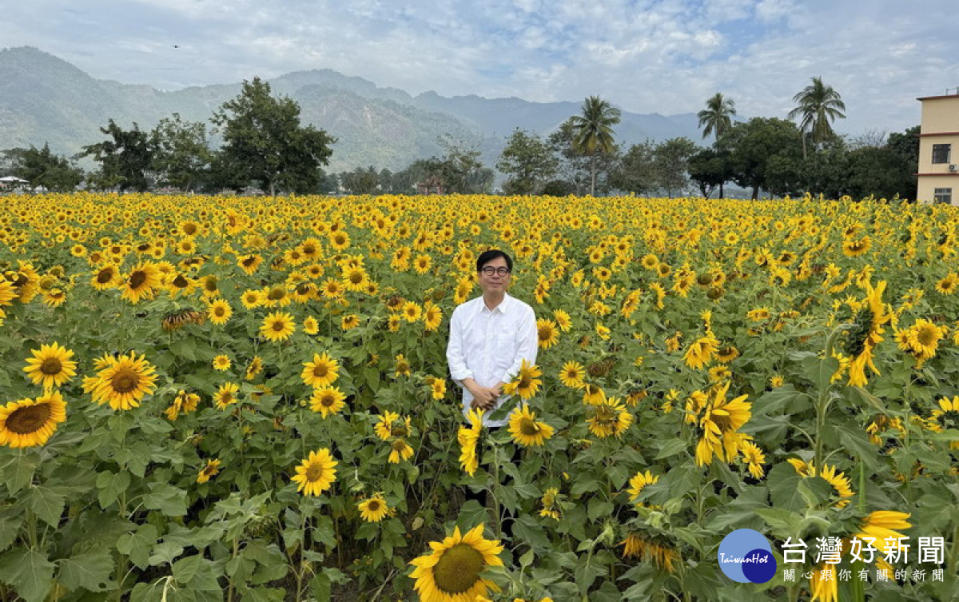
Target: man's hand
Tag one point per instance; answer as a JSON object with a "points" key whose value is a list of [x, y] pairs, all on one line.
{"points": [[483, 397]]}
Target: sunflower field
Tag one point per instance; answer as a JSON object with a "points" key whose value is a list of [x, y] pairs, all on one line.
{"points": [[224, 398]]}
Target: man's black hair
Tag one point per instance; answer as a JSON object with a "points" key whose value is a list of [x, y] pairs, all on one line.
{"points": [[488, 256]]}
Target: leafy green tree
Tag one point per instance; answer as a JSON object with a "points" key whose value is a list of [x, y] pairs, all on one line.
{"points": [[264, 140], [573, 168], [385, 178], [671, 161], [461, 170], [125, 159], [528, 161], [181, 153], [716, 118], [709, 169], [636, 171], [818, 105], [905, 146], [593, 133], [360, 181], [43, 168], [753, 144]]}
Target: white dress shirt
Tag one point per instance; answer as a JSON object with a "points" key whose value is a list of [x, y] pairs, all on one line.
{"points": [[489, 346]]}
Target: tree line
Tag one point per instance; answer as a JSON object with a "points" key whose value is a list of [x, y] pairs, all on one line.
{"points": [[263, 144]]}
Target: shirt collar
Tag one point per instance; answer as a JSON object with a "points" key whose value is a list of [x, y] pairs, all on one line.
{"points": [[501, 308]]}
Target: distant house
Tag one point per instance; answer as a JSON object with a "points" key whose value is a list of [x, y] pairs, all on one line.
{"points": [[430, 185], [938, 170]]}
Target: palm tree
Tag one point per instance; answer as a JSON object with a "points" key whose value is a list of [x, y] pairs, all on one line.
{"points": [[593, 132], [818, 104], [717, 116]]}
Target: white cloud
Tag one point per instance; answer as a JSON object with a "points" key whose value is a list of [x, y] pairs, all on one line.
{"points": [[663, 56]]}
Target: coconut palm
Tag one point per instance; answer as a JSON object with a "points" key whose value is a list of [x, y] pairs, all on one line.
{"points": [[818, 105], [593, 132], [717, 116]]}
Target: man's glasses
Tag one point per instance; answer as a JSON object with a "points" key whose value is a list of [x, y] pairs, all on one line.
{"points": [[490, 270]]}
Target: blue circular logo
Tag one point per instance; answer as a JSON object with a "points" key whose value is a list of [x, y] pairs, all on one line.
{"points": [[745, 556]]}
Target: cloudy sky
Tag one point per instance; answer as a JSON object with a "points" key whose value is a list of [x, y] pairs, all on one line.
{"points": [[644, 56]]}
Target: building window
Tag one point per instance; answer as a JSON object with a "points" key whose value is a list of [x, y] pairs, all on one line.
{"points": [[942, 195], [940, 153]]}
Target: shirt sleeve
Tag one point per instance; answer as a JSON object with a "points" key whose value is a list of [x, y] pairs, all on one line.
{"points": [[454, 349], [526, 346]]}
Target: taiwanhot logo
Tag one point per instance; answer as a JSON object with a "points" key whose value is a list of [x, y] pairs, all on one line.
{"points": [[746, 556]]}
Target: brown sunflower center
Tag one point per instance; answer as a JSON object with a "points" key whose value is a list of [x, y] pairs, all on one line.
{"points": [[51, 366], [180, 281], [320, 370], [528, 427], [125, 380], [219, 311], [926, 336], [28, 419], [458, 569], [315, 472], [327, 401], [137, 279], [104, 276], [278, 326], [210, 283], [373, 506], [356, 277], [276, 294]]}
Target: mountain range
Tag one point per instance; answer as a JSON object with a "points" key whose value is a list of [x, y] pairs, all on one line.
{"points": [[44, 99]]}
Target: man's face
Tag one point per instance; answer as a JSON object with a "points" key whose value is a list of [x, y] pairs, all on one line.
{"points": [[498, 279]]}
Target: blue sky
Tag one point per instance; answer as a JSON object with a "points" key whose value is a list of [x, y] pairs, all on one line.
{"points": [[644, 56]]}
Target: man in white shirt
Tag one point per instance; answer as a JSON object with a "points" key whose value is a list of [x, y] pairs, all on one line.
{"points": [[490, 336]]}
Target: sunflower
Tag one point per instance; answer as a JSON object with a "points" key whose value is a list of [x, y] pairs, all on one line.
{"points": [[249, 263], [571, 375], [701, 352], [947, 285], [526, 383], [50, 366], [548, 501], [754, 458], [321, 372], [468, 437], [374, 509], [251, 299], [593, 394], [310, 325], [219, 312], [402, 367], [385, 427], [316, 473], [141, 283], [332, 288], [562, 320], [253, 368], [719, 420], [437, 387], [222, 363], [526, 430], [838, 480], [609, 418], [422, 263], [921, 339], [411, 311], [432, 316], [105, 278], [946, 416], [663, 556], [349, 322], [210, 470], [277, 326], [226, 395], [124, 381], [327, 400], [399, 450], [30, 422], [637, 483], [452, 571], [868, 323], [547, 331]]}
